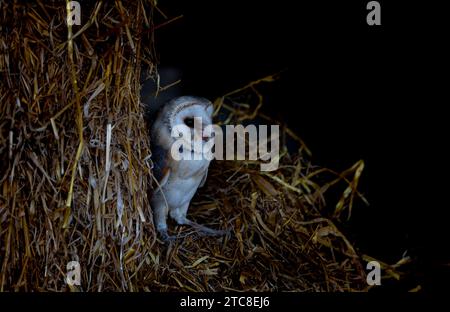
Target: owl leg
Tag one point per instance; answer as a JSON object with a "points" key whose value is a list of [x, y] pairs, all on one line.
{"points": [[179, 215], [161, 210]]}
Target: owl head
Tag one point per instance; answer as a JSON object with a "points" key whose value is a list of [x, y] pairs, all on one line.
{"points": [[188, 115]]}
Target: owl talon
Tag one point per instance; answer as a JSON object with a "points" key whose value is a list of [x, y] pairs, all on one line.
{"points": [[166, 237], [206, 230], [212, 232]]}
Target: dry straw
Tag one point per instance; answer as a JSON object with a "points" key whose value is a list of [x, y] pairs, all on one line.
{"points": [[75, 174], [74, 165]]}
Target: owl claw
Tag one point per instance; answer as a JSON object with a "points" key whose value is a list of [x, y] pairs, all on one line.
{"points": [[201, 229], [166, 237], [206, 230], [211, 232]]}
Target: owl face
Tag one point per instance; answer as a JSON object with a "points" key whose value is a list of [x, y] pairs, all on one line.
{"points": [[189, 116]]}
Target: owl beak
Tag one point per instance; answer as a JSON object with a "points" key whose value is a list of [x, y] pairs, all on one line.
{"points": [[206, 136]]}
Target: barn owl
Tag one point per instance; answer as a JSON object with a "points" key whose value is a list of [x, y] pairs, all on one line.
{"points": [[178, 180]]}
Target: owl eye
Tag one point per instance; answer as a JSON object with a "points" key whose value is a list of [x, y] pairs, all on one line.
{"points": [[189, 121]]}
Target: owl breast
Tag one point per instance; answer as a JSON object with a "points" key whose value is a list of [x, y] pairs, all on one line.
{"points": [[183, 184], [191, 168]]}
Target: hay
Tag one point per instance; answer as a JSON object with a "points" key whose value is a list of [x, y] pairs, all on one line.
{"points": [[75, 170], [74, 145]]}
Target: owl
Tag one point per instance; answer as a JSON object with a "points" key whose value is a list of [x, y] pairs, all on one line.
{"points": [[179, 177]]}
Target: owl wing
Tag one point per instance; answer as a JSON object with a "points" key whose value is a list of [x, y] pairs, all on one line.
{"points": [[202, 182], [161, 170]]}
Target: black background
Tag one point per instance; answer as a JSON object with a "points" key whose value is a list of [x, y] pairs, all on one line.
{"points": [[350, 90]]}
